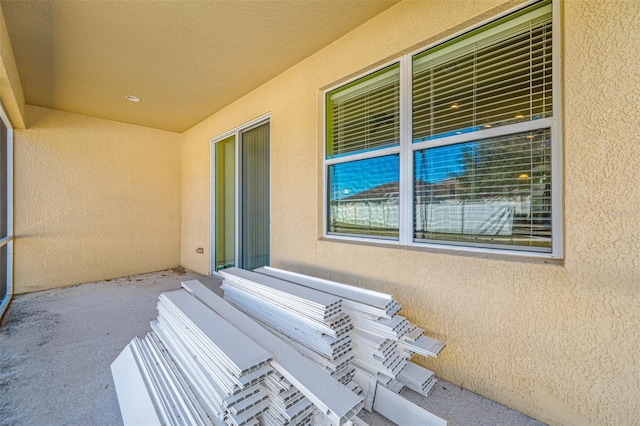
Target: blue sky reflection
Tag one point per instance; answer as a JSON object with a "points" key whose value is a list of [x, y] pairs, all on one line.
{"points": [[431, 165]]}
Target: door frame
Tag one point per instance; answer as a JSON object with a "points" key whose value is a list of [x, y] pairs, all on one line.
{"points": [[237, 133], [8, 239]]}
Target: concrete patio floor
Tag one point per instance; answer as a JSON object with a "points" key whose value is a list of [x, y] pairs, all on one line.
{"points": [[56, 347]]}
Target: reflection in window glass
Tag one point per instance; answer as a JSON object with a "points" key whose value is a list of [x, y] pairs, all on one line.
{"points": [[225, 207], [493, 191], [363, 197]]}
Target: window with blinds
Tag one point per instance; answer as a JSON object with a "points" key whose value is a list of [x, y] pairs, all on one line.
{"points": [[483, 154], [364, 115], [495, 76], [493, 191]]}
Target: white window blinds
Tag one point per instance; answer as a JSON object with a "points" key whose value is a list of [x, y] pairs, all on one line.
{"points": [[494, 76], [479, 164], [364, 115], [494, 191]]}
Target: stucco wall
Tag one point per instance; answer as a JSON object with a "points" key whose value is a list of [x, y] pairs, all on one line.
{"points": [[11, 94], [94, 199], [556, 340]]}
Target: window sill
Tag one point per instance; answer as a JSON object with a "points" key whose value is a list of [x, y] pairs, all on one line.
{"points": [[470, 252]]}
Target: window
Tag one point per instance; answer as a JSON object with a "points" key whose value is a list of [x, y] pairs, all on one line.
{"points": [[473, 163], [363, 145]]}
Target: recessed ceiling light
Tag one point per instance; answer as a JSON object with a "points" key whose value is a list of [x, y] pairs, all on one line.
{"points": [[488, 126], [455, 106], [132, 98]]}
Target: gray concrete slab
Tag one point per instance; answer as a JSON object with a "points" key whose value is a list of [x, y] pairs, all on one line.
{"points": [[56, 348]]}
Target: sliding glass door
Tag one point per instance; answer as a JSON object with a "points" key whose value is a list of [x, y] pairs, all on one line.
{"points": [[256, 197], [241, 194]]}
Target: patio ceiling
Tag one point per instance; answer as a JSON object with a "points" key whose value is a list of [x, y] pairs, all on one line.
{"points": [[184, 59]]}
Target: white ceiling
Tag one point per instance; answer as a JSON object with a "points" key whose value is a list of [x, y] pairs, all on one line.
{"points": [[185, 59]]}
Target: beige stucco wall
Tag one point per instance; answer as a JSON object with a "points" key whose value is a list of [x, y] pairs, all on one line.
{"points": [[557, 340], [94, 199], [11, 94]]}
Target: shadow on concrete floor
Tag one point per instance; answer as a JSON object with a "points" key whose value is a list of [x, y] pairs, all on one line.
{"points": [[56, 348]]}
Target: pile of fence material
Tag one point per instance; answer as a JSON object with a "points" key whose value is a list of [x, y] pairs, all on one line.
{"points": [[285, 351], [383, 342], [311, 321], [198, 368]]}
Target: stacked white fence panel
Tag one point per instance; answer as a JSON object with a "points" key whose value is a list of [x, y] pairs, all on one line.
{"points": [[417, 378], [172, 393], [136, 403], [151, 385], [228, 353], [383, 342], [310, 303], [288, 404], [208, 363], [374, 299], [334, 401], [197, 368], [203, 384], [330, 338], [414, 341], [234, 364], [377, 354], [248, 401], [321, 333]]}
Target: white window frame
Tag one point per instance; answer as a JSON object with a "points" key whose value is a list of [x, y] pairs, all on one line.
{"points": [[407, 148], [8, 240], [237, 134], [362, 156]]}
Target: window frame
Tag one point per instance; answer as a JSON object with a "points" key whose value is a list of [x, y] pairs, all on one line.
{"points": [[407, 148], [7, 240], [237, 134], [381, 152]]}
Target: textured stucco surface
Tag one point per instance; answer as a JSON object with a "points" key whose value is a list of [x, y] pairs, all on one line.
{"points": [[11, 94], [556, 340], [85, 56], [94, 199]]}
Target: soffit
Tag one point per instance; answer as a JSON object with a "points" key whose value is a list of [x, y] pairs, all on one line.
{"points": [[185, 59]]}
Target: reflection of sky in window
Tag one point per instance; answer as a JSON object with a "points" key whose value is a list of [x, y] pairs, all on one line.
{"points": [[348, 179], [431, 165], [435, 165]]}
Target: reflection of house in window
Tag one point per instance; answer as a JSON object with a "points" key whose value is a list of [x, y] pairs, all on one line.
{"points": [[440, 191], [439, 208], [375, 209], [444, 208]]}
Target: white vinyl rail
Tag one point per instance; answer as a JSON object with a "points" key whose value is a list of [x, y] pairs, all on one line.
{"points": [[336, 401]]}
